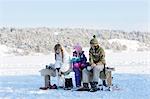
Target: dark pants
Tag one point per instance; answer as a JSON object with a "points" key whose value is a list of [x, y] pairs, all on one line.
{"points": [[78, 74]]}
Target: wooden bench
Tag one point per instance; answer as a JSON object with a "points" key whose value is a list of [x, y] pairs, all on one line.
{"points": [[107, 76]]}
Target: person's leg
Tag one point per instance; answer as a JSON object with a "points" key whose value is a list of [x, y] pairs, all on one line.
{"points": [[77, 77], [60, 79], [86, 78], [96, 73]]}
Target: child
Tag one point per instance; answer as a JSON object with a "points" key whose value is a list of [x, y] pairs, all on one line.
{"points": [[60, 67], [61, 63], [79, 62]]}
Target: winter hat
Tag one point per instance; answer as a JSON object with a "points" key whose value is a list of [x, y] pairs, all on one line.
{"points": [[78, 47], [94, 40]]}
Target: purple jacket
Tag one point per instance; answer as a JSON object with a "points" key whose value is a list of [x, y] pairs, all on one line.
{"points": [[81, 58]]}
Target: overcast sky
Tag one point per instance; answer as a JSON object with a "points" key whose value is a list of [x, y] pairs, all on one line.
{"points": [[125, 15]]}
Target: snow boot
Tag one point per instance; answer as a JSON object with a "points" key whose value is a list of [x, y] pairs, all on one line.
{"points": [[43, 88], [84, 88], [94, 86], [53, 87], [68, 84]]}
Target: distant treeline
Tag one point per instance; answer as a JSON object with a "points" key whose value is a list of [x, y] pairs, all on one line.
{"points": [[43, 39]]}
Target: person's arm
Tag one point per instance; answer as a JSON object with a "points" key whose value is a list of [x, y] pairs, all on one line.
{"points": [[102, 56], [74, 57], [90, 58], [62, 57], [83, 61]]}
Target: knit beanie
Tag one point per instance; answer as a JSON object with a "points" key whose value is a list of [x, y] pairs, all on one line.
{"points": [[94, 40], [78, 47]]}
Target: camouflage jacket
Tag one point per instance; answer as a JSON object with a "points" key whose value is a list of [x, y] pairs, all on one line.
{"points": [[97, 55]]}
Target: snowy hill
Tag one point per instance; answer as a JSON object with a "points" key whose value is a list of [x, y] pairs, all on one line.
{"points": [[130, 45], [42, 39]]}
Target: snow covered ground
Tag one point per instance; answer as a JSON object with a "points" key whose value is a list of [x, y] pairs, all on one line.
{"points": [[20, 77], [26, 87]]}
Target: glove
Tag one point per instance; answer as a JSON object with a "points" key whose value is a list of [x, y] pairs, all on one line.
{"points": [[76, 65], [89, 68], [83, 66]]}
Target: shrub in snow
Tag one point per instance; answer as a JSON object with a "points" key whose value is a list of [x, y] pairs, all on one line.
{"points": [[116, 46]]}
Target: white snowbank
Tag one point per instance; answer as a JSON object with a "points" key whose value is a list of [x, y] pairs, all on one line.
{"points": [[132, 45], [3, 50], [124, 62]]}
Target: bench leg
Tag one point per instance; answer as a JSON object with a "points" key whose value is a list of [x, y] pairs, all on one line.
{"points": [[47, 80], [109, 79]]}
